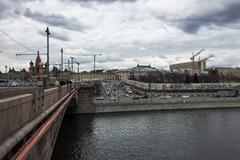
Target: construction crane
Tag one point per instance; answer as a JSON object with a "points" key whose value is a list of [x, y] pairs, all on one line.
{"points": [[77, 64], [192, 58], [72, 60], [203, 62], [94, 59], [29, 54], [194, 55], [205, 59], [58, 64]]}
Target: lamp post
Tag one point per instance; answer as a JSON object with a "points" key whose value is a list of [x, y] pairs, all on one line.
{"points": [[47, 63], [6, 71]]}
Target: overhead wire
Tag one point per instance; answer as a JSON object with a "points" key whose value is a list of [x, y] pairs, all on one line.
{"points": [[19, 43]]}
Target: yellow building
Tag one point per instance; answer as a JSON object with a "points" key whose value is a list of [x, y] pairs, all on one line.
{"points": [[192, 67]]}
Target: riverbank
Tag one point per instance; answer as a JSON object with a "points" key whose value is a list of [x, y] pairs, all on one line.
{"points": [[108, 108], [166, 106]]}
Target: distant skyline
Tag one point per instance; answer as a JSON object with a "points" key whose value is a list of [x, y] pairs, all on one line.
{"points": [[125, 32]]}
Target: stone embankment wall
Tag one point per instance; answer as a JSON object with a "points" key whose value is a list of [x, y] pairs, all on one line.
{"points": [[177, 86], [164, 106]]}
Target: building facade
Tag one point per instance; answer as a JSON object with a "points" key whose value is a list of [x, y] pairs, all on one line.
{"points": [[198, 67]]}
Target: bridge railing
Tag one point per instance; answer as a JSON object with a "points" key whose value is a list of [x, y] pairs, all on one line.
{"points": [[17, 111]]}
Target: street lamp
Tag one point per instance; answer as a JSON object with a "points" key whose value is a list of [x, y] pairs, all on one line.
{"points": [[47, 64], [6, 71]]}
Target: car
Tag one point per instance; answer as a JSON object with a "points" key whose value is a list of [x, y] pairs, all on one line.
{"points": [[112, 98], [135, 98], [165, 97], [12, 84], [40, 83], [99, 98], [161, 97], [216, 96], [185, 96], [145, 96], [57, 83], [130, 91], [168, 96]]}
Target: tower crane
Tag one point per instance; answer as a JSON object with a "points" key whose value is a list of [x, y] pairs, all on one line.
{"points": [[58, 64], [94, 59], [77, 64], [29, 54], [192, 58], [205, 59], [203, 62], [194, 55], [72, 60]]}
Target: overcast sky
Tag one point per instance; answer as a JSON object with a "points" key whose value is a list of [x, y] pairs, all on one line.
{"points": [[126, 32]]}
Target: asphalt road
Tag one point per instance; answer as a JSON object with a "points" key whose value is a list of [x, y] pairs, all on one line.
{"points": [[121, 96], [127, 100]]}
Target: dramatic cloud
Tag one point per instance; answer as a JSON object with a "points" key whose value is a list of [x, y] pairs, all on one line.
{"points": [[55, 35], [203, 13], [125, 32], [110, 59], [55, 20], [227, 16], [99, 1]]}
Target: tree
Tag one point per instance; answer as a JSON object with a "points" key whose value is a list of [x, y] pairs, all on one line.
{"points": [[195, 78]]}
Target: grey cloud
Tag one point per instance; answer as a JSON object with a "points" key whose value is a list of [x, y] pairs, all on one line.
{"points": [[229, 15], [227, 61], [109, 59], [12, 8], [161, 56], [84, 61], [101, 1], [55, 35], [89, 3], [4, 8], [56, 20]]}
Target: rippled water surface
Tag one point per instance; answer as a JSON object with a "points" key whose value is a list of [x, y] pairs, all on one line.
{"points": [[173, 135]]}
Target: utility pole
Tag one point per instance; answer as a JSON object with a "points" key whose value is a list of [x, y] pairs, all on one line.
{"points": [[68, 64], [94, 59], [61, 59], [6, 71], [47, 64], [72, 59], [77, 64]]}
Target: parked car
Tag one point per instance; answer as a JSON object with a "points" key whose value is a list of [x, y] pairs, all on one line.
{"points": [[135, 98], [112, 98], [166, 96], [216, 96], [40, 83], [145, 96], [99, 98], [185, 96], [12, 84]]}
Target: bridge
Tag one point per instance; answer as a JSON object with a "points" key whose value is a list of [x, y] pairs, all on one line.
{"points": [[30, 120]]}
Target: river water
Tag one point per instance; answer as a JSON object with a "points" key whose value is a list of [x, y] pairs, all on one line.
{"points": [[212, 134]]}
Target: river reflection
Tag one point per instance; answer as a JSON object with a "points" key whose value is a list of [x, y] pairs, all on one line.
{"points": [[187, 135]]}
